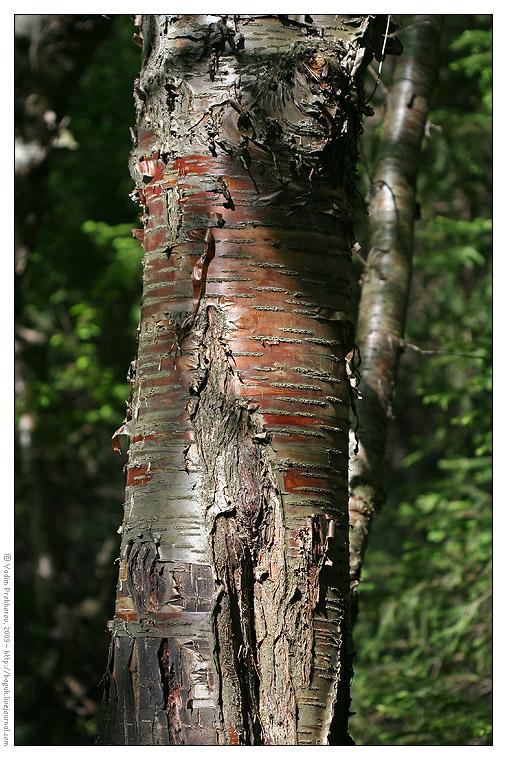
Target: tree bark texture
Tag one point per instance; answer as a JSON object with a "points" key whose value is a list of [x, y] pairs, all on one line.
{"points": [[384, 296], [231, 621]]}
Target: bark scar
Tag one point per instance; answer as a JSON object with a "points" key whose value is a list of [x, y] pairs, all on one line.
{"points": [[199, 276]]}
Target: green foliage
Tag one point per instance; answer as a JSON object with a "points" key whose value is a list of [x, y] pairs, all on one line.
{"points": [[423, 662], [478, 64], [430, 634], [423, 637], [79, 297]]}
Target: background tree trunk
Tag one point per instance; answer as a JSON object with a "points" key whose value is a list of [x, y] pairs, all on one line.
{"points": [[232, 622], [384, 295]]}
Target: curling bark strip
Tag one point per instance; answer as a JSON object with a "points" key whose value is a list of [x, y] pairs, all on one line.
{"points": [[231, 619], [384, 295]]}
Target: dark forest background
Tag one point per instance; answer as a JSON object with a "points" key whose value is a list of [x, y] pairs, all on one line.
{"points": [[423, 638]]}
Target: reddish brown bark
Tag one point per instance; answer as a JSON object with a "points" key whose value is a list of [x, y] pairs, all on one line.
{"points": [[235, 537]]}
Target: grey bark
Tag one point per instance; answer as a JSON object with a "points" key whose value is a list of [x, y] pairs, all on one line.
{"points": [[385, 290]]}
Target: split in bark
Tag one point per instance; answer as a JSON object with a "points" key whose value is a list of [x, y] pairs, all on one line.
{"points": [[231, 622]]}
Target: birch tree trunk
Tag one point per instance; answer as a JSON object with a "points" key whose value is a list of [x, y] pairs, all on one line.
{"points": [[232, 617], [384, 295]]}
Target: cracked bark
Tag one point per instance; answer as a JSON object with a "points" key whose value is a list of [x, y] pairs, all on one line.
{"points": [[385, 290], [231, 620]]}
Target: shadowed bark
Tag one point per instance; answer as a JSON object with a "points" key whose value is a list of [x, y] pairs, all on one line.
{"points": [[232, 620], [384, 295]]}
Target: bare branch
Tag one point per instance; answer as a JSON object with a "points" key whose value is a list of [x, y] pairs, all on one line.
{"points": [[431, 351]]}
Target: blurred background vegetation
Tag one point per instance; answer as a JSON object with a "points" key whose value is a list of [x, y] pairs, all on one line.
{"points": [[423, 637]]}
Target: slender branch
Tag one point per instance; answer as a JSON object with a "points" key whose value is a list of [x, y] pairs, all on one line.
{"points": [[375, 74], [431, 351], [382, 56], [406, 28]]}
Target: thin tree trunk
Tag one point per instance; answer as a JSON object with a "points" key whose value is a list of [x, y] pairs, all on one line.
{"points": [[231, 622], [384, 295]]}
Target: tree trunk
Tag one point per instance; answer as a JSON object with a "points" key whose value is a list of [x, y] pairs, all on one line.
{"points": [[384, 295], [232, 618]]}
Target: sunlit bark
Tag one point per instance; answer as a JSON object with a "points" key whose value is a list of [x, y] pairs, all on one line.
{"points": [[232, 617]]}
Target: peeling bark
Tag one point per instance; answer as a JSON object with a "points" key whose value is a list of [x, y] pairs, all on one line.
{"points": [[384, 295], [231, 621]]}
